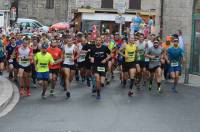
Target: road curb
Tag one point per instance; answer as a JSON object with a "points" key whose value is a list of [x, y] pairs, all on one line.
{"points": [[9, 96]]}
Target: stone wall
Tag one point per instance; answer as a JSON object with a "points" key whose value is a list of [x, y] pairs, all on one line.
{"points": [[36, 9]]}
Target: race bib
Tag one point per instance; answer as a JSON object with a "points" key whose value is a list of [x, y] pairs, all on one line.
{"points": [[10, 60], [141, 52], [131, 54], [155, 59], [68, 56], [43, 65], [24, 61], [82, 57], [174, 64], [101, 69]]}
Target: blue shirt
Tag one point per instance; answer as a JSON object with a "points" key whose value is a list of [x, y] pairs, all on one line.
{"points": [[175, 54], [10, 50], [1, 49], [137, 21], [150, 22], [19, 42]]}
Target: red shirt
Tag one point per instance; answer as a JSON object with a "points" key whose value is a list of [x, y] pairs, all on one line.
{"points": [[56, 54]]}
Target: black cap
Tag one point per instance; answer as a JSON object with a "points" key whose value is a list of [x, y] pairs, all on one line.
{"points": [[45, 46]]}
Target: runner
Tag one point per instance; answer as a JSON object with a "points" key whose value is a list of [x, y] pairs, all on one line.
{"points": [[175, 59], [2, 56], [35, 47], [110, 43], [166, 66], [54, 70], [140, 66], [24, 56], [70, 55], [121, 61], [130, 64], [155, 54], [83, 49], [41, 61], [99, 57], [11, 58]]}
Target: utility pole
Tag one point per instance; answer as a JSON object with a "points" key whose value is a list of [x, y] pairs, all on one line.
{"points": [[161, 17]]}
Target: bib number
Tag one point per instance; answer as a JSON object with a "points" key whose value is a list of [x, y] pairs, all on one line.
{"points": [[174, 64], [43, 65], [101, 69]]}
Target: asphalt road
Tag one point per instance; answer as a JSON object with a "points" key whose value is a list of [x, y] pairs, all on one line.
{"points": [[115, 112]]}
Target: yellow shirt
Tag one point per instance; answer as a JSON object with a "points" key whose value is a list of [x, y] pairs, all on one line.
{"points": [[130, 51]]}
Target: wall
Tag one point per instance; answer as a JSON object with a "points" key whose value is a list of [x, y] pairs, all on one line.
{"points": [[36, 9]]}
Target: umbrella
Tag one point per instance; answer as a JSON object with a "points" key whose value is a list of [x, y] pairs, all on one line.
{"points": [[60, 26]]}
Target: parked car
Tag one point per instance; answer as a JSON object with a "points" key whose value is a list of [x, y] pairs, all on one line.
{"points": [[24, 23]]}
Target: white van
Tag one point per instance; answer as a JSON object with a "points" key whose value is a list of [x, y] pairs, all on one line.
{"points": [[30, 23]]}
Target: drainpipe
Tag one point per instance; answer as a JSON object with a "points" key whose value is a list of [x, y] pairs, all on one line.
{"points": [[161, 17]]}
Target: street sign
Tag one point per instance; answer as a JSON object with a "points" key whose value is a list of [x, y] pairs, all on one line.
{"points": [[120, 20]]}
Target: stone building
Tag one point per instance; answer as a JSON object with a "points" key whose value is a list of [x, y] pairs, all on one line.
{"points": [[46, 11], [52, 11], [104, 12]]}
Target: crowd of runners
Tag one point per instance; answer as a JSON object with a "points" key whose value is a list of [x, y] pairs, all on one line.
{"points": [[43, 58]]}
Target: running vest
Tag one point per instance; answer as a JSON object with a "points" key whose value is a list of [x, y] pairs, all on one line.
{"points": [[130, 51], [141, 52], [69, 52], [23, 56]]}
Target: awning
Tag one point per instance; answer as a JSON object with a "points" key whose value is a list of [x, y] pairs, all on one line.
{"points": [[105, 17]]}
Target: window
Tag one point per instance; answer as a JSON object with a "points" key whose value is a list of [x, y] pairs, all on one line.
{"points": [[49, 4], [135, 4], [106, 3]]}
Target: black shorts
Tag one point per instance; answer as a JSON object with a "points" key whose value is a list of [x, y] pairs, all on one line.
{"points": [[101, 70], [154, 69], [81, 65], [14, 63], [141, 63], [163, 66], [128, 65], [71, 67], [146, 65], [54, 71], [2, 59], [26, 69]]}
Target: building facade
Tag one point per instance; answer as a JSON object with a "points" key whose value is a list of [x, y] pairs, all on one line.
{"points": [[47, 12], [51, 11], [104, 12], [5, 13]]}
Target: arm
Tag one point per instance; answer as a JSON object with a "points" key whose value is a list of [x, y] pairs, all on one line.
{"points": [[121, 50]]}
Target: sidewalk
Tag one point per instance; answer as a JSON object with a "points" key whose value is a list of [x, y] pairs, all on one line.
{"points": [[194, 80]]}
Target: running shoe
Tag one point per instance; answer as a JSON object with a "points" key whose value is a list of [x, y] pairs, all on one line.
{"points": [[52, 92], [28, 92], [174, 90], [130, 93], [88, 83], [43, 96], [160, 90], [1, 73], [98, 97], [21, 91], [150, 87], [68, 94]]}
